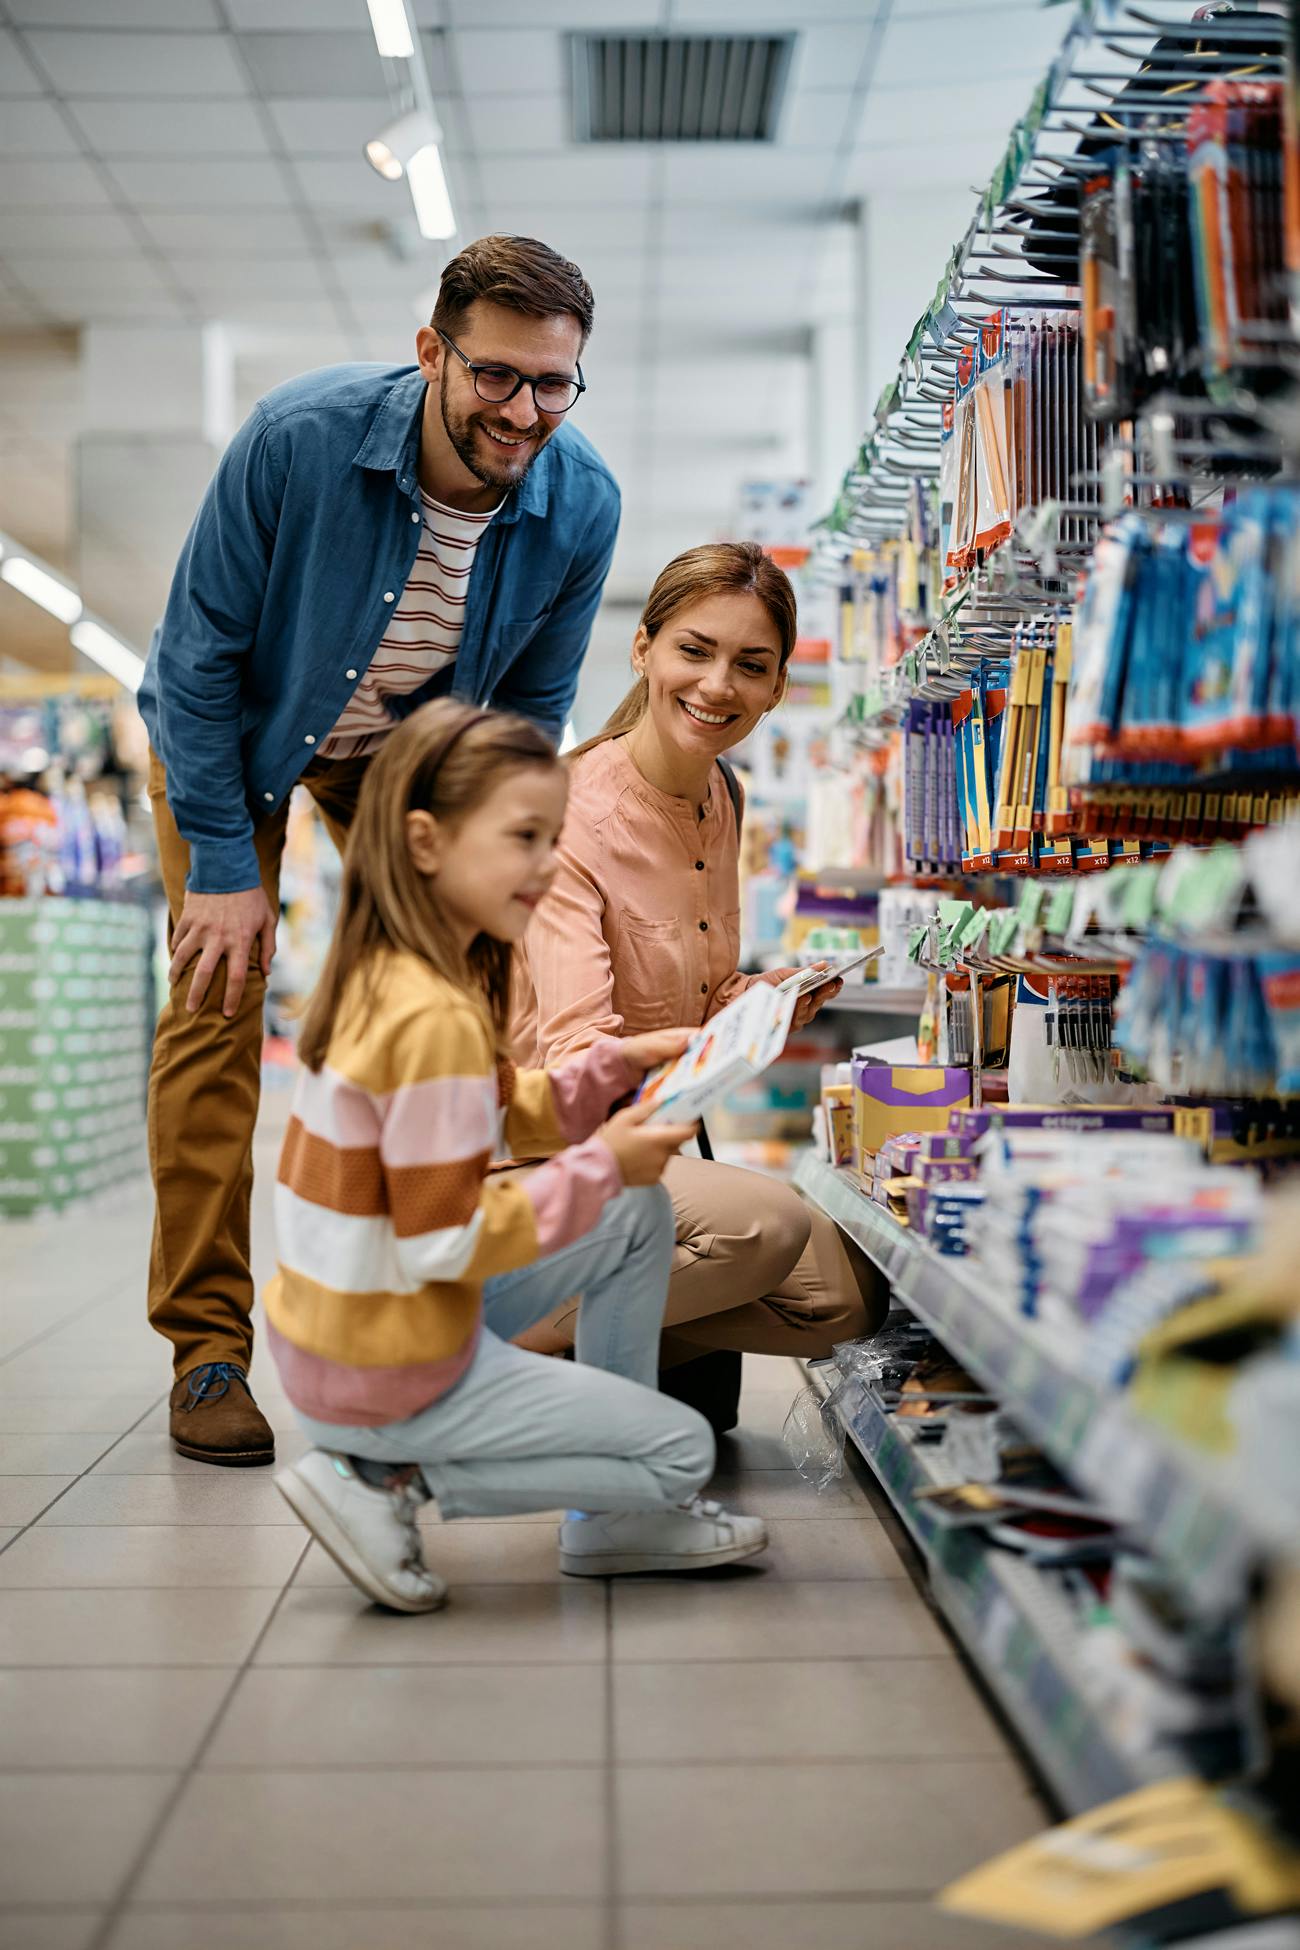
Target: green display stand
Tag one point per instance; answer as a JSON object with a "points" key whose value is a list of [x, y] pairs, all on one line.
{"points": [[73, 1049]]}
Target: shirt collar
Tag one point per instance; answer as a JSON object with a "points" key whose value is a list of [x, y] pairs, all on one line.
{"points": [[392, 443]]}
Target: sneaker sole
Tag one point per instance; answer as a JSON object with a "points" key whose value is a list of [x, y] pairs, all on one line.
{"points": [[619, 1564], [226, 1458], [334, 1540]]}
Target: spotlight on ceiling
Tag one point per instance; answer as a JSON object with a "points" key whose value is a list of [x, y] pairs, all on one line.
{"points": [[391, 151]]}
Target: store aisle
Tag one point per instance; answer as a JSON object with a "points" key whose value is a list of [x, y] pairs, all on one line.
{"points": [[205, 1735]]}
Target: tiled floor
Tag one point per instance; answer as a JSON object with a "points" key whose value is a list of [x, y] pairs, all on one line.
{"points": [[206, 1737]]}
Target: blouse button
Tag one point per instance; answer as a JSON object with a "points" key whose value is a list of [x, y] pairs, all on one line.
{"points": [[704, 927], [704, 988], [699, 866]]}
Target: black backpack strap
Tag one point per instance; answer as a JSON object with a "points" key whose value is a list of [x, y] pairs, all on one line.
{"points": [[732, 784]]}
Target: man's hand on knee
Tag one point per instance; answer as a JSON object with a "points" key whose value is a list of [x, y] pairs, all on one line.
{"points": [[222, 927]]}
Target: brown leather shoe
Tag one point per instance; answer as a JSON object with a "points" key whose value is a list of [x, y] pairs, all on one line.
{"points": [[214, 1418]]}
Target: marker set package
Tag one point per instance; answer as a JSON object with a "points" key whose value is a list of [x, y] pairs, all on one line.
{"points": [[1234, 141], [890, 590], [1213, 1025], [932, 833], [1181, 253], [1014, 435], [1186, 650]]}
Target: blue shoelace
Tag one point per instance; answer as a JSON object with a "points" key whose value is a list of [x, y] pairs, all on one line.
{"points": [[211, 1382]]}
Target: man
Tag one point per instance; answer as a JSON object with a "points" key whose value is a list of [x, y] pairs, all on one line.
{"points": [[373, 536]]}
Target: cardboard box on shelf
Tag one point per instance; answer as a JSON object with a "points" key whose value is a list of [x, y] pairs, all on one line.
{"points": [[890, 1097]]}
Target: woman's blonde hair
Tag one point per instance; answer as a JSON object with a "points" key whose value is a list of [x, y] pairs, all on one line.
{"points": [[444, 759], [713, 569]]}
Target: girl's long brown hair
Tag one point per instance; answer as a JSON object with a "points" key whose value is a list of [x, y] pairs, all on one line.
{"points": [[714, 569], [444, 759]]}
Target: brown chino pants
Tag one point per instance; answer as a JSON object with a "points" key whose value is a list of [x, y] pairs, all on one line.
{"points": [[754, 1269], [204, 1087]]}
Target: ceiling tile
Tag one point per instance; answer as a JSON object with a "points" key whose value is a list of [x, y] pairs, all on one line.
{"points": [[288, 314], [155, 307], [204, 183], [336, 127], [174, 15], [320, 16], [641, 18], [235, 233], [771, 15], [815, 118], [85, 232], [895, 114], [153, 127], [17, 75], [576, 230], [720, 172], [830, 56], [352, 185], [254, 277], [597, 176], [31, 128], [62, 180], [908, 52], [503, 125], [327, 66], [513, 62], [86, 63], [96, 278]]}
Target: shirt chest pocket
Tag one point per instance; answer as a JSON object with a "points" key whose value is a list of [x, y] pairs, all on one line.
{"points": [[649, 974]]}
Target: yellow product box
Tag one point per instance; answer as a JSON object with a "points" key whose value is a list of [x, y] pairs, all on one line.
{"points": [[892, 1097], [837, 1101]]}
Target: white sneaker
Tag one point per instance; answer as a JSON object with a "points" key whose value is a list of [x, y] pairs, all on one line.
{"points": [[371, 1534], [693, 1537]]}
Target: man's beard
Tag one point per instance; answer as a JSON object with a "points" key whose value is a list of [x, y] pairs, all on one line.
{"points": [[502, 474]]}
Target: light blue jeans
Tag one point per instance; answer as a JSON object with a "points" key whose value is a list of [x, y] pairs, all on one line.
{"points": [[522, 1431]]}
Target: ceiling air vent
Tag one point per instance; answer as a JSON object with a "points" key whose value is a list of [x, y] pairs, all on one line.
{"points": [[678, 87]]}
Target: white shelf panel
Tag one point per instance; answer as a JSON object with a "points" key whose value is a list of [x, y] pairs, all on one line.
{"points": [[1195, 1513]]}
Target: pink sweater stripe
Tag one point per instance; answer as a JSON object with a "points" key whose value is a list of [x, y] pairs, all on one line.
{"points": [[585, 1088], [570, 1191]]}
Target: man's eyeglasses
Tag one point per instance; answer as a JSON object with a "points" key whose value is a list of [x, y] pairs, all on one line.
{"points": [[552, 392]]}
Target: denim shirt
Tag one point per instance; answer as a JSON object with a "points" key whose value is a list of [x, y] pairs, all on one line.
{"points": [[304, 540]]}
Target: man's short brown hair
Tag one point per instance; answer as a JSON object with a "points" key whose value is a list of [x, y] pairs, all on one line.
{"points": [[517, 272]]}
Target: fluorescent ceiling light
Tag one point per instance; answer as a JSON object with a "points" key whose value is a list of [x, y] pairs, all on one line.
{"points": [[43, 588], [429, 193], [391, 150], [392, 29], [108, 651]]}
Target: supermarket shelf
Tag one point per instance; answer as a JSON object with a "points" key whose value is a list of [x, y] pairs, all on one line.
{"points": [[1018, 1631], [1196, 1515], [866, 998]]}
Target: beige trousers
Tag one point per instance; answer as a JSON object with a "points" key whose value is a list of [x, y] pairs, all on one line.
{"points": [[754, 1269]]}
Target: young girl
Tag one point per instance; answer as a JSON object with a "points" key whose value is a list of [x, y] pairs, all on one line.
{"points": [[642, 929], [405, 1269]]}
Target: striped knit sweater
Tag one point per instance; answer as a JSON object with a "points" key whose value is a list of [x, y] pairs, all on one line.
{"points": [[387, 1221]]}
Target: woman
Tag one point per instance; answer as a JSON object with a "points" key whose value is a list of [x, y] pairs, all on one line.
{"points": [[641, 930]]}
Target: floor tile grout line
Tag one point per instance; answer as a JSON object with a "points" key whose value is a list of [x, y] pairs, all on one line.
{"points": [[668, 1764], [68, 1320], [613, 1931], [157, 1828], [469, 1906], [80, 1477]]}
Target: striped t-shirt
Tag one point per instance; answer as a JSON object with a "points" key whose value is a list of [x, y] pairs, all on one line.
{"points": [[423, 633]]}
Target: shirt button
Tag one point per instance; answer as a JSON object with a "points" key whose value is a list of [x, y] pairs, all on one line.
{"points": [[269, 797], [699, 866], [415, 517], [309, 740], [389, 597], [704, 927], [350, 673]]}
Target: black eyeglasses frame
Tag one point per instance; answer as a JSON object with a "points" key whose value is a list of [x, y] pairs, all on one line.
{"points": [[475, 367]]}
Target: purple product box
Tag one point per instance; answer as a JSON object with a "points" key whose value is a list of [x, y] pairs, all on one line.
{"points": [[946, 1171], [944, 1144], [892, 1099], [1073, 1117]]}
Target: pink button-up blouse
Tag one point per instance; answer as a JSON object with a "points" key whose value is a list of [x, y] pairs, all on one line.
{"points": [[641, 928]]}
